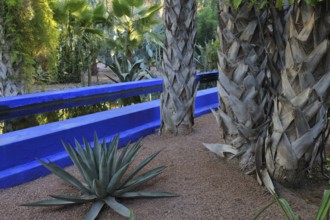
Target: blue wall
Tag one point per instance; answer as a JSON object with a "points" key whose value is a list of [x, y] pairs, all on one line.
{"points": [[19, 149]]}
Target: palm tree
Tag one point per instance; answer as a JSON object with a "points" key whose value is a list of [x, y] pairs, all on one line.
{"points": [[242, 83], [295, 100], [177, 99], [8, 87], [132, 22], [300, 108], [79, 37]]}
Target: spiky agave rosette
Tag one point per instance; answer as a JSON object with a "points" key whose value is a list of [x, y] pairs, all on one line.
{"points": [[103, 172]]}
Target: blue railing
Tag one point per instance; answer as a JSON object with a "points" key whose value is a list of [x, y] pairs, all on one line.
{"points": [[19, 149]]}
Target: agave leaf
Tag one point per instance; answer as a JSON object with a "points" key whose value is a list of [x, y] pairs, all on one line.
{"points": [[94, 211], [116, 206], [90, 155], [74, 198], [49, 202], [323, 210], [136, 182], [99, 189], [110, 77], [109, 165], [115, 179], [140, 166], [133, 70], [97, 151], [87, 156], [116, 68], [104, 170], [81, 165], [113, 144], [122, 155], [67, 177], [140, 194], [113, 167], [111, 155], [130, 156]]}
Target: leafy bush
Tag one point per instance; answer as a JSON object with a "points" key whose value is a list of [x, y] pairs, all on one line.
{"points": [[103, 170]]}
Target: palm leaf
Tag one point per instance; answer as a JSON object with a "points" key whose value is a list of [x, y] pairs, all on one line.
{"points": [[120, 9]]}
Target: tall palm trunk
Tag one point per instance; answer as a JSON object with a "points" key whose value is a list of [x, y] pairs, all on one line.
{"points": [[243, 84], [178, 97], [298, 77], [300, 109], [8, 87]]}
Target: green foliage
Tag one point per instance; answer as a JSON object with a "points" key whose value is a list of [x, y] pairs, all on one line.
{"points": [[131, 23], [207, 57], [105, 179], [31, 34], [288, 213], [327, 161], [80, 36], [206, 25], [126, 71]]}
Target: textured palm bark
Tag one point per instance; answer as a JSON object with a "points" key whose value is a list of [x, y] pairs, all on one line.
{"points": [[300, 109], [243, 82], [178, 97], [8, 85]]}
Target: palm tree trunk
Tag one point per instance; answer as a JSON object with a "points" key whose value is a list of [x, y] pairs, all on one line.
{"points": [[8, 87], [178, 97], [243, 84], [300, 108]]}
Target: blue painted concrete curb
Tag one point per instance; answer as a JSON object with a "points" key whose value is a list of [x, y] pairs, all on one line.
{"points": [[19, 149]]}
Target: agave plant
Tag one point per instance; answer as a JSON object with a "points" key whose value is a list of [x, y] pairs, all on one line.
{"points": [[126, 71], [103, 171]]}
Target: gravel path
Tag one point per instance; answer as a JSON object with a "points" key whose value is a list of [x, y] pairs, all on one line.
{"points": [[210, 188]]}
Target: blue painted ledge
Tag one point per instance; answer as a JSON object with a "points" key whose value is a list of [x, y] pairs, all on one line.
{"points": [[19, 149]]}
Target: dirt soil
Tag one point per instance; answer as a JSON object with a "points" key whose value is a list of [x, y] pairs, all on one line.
{"points": [[209, 187]]}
